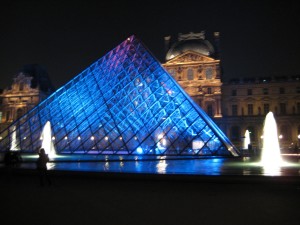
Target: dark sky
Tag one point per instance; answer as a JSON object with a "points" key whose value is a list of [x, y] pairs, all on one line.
{"points": [[258, 38]]}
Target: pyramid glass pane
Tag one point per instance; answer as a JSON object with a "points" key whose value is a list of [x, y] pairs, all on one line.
{"points": [[124, 103]]}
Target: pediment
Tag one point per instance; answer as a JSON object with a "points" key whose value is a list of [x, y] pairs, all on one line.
{"points": [[265, 99], [233, 100], [249, 99], [190, 56]]}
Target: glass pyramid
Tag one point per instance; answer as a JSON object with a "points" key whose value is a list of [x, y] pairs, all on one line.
{"points": [[124, 103]]}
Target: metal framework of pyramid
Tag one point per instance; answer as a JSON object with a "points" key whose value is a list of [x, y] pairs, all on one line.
{"points": [[124, 103]]}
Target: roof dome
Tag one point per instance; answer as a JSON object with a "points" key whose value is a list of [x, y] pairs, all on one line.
{"points": [[190, 42]]}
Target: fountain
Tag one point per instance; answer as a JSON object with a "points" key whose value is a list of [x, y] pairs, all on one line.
{"points": [[14, 145], [271, 157], [47, 142], [247, 139]]}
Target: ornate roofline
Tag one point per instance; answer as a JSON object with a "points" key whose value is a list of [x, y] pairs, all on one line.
{"points": [[191, 36], [193, 58]]}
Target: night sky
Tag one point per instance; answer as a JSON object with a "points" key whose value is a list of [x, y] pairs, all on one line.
{"points": [[258, 38]]}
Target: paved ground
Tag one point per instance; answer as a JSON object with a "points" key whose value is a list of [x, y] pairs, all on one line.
{"points": [[87, 198]]}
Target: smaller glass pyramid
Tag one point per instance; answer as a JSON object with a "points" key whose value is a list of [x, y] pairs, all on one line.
{"points": [[124, 103]]}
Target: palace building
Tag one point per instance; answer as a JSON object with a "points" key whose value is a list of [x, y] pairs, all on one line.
{"points": [[123, 104], [236, 105], [194, 64], [30, 86], [245, 103]]}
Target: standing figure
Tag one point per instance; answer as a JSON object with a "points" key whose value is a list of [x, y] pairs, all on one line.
{"points": [[42, 167], [8, 164]]}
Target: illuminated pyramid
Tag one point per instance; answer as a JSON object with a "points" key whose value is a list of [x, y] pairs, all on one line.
{"points": [[124, 103]]}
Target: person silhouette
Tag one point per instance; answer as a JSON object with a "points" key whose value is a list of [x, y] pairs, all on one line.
{"points": [[8, 164], [42, 161]]}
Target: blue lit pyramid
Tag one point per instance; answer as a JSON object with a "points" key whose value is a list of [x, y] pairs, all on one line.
{"points": [[124, 103]]}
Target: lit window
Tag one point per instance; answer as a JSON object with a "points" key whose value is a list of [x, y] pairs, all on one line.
{"points": [[7, 115], [172, 72], [19, 113], [235, 133], [282, 108], [250, 109], [209, 91], [234, 110], [190, 74], [209, 73], [210, 110], [266, 108]]}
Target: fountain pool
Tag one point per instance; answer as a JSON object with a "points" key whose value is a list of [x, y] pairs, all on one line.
{"points": [[271, 163]]}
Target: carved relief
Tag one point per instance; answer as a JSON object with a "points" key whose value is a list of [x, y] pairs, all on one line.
{"points": [[179, 70], [190, 57], [200, 69], [206, 70]]}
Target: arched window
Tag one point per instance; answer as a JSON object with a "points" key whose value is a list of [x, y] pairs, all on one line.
{"points": [[209, 73], [7, 115], [199, 102], [210, 110], [209, 91], [173, 73], [190, 74], [19, 113], [235, 133], [286, 132]]}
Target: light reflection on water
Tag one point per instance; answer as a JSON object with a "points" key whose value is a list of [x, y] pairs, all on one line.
{"points": [[161, 166], [245, 166], [272, 171]]}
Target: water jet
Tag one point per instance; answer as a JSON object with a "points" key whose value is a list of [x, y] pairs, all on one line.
{"points": [[271, 156], [247, 139], [47, 142], [13, 144]]}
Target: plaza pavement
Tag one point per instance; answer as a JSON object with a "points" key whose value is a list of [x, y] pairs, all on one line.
{"points": [[117, 199]]}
